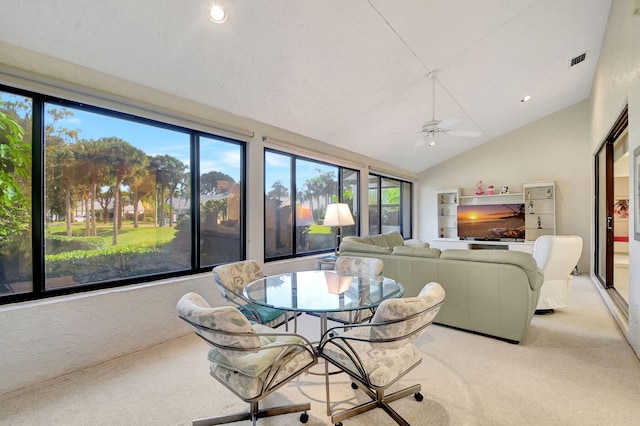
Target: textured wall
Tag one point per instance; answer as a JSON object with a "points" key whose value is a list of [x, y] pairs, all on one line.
{"points": [[616, 84]]}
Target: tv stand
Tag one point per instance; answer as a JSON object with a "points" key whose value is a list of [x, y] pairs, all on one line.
{"points": [[455, 243], [540, 215]]}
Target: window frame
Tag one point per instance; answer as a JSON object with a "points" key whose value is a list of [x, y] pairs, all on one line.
{"points": [[133, 114], [406, 230], [293, 196]]}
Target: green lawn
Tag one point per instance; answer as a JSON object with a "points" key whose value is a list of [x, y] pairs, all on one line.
{"points": [[127, 235]]}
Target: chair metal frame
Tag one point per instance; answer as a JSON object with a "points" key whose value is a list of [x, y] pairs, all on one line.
{"points": [[376, 393], [269, 385]]}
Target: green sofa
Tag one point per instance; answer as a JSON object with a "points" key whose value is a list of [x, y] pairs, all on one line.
{"points": [[490, 292]]}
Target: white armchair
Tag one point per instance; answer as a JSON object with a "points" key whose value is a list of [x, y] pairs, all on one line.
{"points": [[557, 256]]}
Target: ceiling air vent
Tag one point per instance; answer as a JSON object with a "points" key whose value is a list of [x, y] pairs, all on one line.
{"points": [[577, 59]]}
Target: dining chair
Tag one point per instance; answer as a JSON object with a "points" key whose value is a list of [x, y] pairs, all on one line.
{"points": [[231, 278], [368, 267], [378, 354], [251, 360]]}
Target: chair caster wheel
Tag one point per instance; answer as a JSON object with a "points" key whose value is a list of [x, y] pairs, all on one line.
{"points": [[354, 385], [338, 424], [304, 417], [418, 396]]}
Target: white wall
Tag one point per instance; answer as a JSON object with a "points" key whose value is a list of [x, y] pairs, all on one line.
{"points": [[617, 83], [554, 148]]}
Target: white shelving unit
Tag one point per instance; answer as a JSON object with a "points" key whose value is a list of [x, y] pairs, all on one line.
{"points": [[447, 213], [540, 207], [539, 219]]}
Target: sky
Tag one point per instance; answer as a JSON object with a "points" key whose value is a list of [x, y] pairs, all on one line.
{"points": [[215, 155]]}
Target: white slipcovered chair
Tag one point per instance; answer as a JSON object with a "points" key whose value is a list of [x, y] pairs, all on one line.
{"points": [[378, 354], [251, 360], [557, 256]]}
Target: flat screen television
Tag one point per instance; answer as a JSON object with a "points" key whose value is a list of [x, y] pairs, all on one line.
{"points": [[491, 222]]}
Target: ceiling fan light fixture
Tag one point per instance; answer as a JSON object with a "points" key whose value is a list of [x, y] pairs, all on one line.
{"points": [[217, 14], [525, 98]]}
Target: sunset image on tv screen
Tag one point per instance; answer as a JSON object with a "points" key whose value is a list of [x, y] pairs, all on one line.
{"points": [[493, 221]]}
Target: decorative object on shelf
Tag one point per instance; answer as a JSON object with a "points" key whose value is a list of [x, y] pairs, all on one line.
{"points": [[490, 190], [532, 208], [455, 199], [441, 198], [479, 188], [504, 190], [441, 232], [539, 223], [528, 194], [337, 216], [621, 209], [441, 211], [549, 193]]}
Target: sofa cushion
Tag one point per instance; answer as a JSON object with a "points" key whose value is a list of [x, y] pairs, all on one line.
{"points": [[389, 239], [363, 248], [517, 258], [416, 243], [416, 251]]}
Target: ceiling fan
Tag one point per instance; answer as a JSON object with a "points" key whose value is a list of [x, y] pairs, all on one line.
{"points": [[430, 128]]}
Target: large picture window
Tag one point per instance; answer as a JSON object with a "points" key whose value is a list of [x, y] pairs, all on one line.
{"points": [[297, 192], [112, 198], [389, 205]]}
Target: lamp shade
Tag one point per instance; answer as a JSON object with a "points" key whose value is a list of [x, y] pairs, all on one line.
{"points": [[338, 214], [337, 284]]}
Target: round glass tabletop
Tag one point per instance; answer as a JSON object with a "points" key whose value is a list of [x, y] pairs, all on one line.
{"points": [[321, 291]]}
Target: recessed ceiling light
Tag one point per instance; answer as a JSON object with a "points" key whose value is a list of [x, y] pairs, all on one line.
{"points": [[525, 99], [217, 14]]}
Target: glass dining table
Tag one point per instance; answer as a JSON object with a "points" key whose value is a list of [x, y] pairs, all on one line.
{"points": [[321, 292]]}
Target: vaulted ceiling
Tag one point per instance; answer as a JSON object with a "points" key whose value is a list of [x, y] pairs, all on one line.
{"points": [[350, 73]]}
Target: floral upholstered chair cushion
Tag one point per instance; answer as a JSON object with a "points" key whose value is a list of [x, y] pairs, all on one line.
{"points": [[431, 295], [250, 364], [361, 266], [231, 278], [234, 276], [381, 363], [193, 308]]}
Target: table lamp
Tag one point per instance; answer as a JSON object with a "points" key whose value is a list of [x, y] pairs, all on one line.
{"points": [[337, 216]]}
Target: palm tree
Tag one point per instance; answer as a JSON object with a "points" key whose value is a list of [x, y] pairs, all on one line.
{"points": [[125, 160]]}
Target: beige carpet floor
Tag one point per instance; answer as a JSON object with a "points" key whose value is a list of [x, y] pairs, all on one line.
{"points": [[573, 368]]}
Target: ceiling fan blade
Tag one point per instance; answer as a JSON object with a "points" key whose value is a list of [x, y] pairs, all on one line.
{"points": [[465, 133], [420, 142], [448, 122]]}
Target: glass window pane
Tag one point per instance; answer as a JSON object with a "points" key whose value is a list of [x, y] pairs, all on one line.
{"points": [[277, 206], [350, 180], [220, 202], [374, 222], [117, 198], [16, 209], [316, 186], [406, 210], [390, 205]]}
